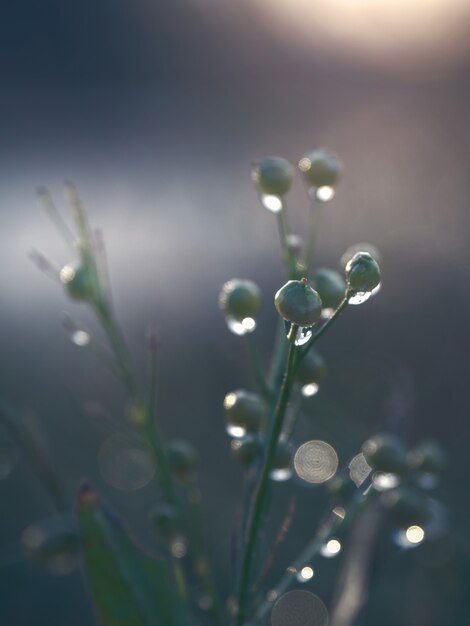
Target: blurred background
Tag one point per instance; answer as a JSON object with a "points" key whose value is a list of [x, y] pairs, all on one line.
{"points": [[156, 111]]}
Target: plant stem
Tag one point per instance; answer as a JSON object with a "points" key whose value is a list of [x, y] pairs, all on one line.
{"points": [[275, 428], [316, 336], [332, 524]]}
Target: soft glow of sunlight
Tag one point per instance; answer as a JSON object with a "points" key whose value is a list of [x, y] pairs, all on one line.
{"points": [[415, 534], [376, 30]]}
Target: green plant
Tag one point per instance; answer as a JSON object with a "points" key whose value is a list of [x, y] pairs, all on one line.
{"points": [[132, 587]]}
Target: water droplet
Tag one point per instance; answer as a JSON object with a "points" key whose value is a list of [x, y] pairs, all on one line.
{"points": [[271, 202], [179, 547], [339, 511], [125, 463], [241, 327], [385, 480], [331, 548], [67, 274], [359, 297], [280, 474], [316, 461], [305, 574], [409, 537], [80, 338], [327, 313], [235, 431], [359, 469], [310, 390], [303, 335], [299, 608], [324, 194]]}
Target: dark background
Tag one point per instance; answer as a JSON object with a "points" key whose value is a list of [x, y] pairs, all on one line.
{"points": [[156, 111]]}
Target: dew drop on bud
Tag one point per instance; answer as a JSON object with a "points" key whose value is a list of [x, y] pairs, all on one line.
{"points": [[304, 333], [271, 202]]}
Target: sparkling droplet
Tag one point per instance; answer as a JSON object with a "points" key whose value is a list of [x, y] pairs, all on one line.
{"points": [[409, 537], [327, 313], [359, 297], [324, 194], [271, 202], [303, 335], [331, 548], [310, 390], [339, 511], [241, 327], [280, 474], [316, 461], [359, 469], [299, 608], [305, 574], [235, 431], [80, 338], [385, 480]]}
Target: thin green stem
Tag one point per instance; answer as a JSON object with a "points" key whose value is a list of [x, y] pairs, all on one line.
{"points": [[202, 563], [254, 523], [316, 336], [331, 525], [289, 258]]}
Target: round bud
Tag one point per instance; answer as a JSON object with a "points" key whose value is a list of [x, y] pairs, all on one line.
{"points": [[406, 506], [298, 303], [244, 412], [428, 457], [340, 487], [362, 273], [164, 521], [240, 298], [312, 369], [320, 168], [385, 453], [54, 542], [330, 286], [182, 458], [245, 449], [77, 282], [273, 175]]}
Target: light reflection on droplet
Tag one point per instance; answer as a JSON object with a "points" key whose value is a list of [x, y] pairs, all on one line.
{"points": [[178, 547], [124, 463], [324, 194], [359, 469], [385, 480], [67, 273], [241, 327], [280, 474], [80, 338], [359, 297], [303, 335], [409, 537], [415, 534], [326, 313], [310, 390], [331, 548], [271, 202], [305, 574], [272, 595], [235, 431], [339, 511], [316, 461], [299, 608]]}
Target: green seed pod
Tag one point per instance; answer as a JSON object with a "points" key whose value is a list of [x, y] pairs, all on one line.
{"points": [[340, 487], [320, 168], [164, 521], [182, 458], [54, 542], [244, 412], [273, 175], [330, 286], [406, 506], [245, 449], [428, 457], [298, 303], [362, 273], [312, 369], [240, 298], [77, 282], [385, 453]]}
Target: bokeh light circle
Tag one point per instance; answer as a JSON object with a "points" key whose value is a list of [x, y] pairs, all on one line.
{"points": [[299, 608], [316, 461]]}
